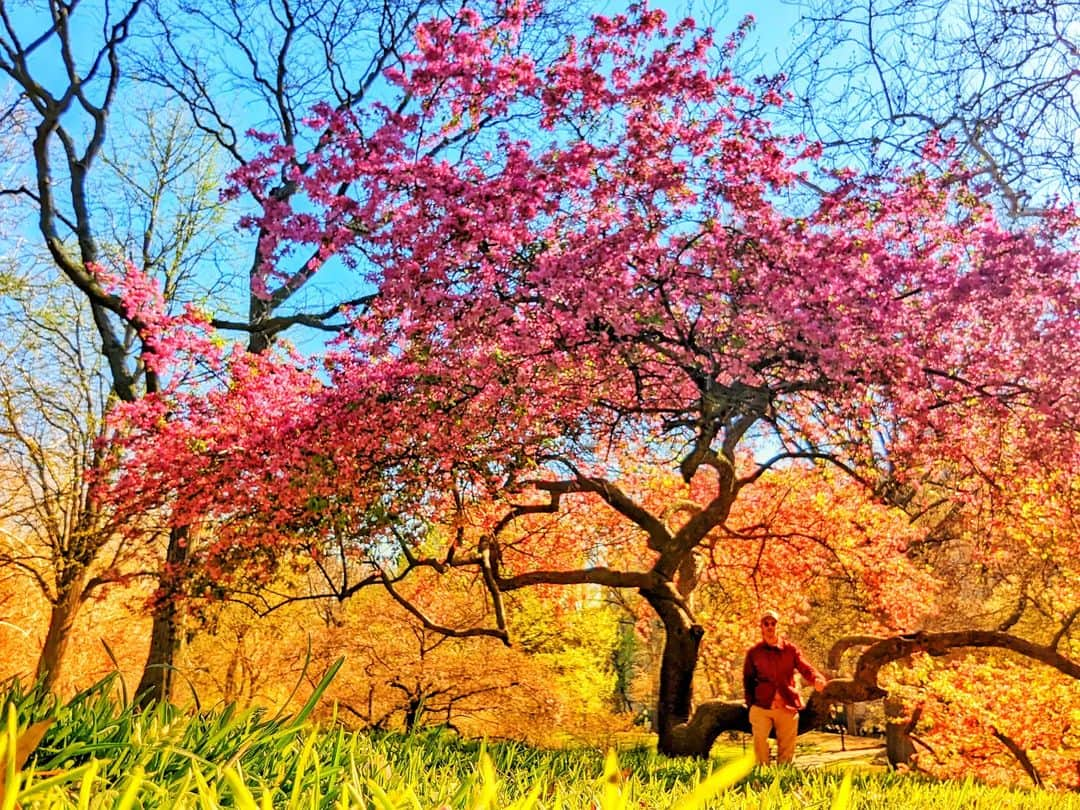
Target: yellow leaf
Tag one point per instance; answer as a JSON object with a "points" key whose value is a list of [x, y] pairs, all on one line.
{"points": [[29, 740], [715, 783], [611, 795], [842, 799], [242, 795], [25, 743]]}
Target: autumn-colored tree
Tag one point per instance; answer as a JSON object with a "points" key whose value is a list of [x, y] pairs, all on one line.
{"points": [[69, 357], [58, 543], [810, 544], [401, 675], [981, 556], [1001, 548], [968, 721], [625, 278]]}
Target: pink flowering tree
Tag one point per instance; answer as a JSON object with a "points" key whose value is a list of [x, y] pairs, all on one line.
{"points": [[615, 268]]}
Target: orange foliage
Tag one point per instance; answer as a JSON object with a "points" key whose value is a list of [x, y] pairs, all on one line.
{"points": [[398, 674], [114, 617], [967, 699]]}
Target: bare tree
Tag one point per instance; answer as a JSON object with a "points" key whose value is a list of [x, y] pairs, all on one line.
{"points": [[872, 78], [250, 64], [71, 189], [52, 400]]}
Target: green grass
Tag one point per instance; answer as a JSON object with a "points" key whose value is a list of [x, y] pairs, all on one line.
{"points": [[101, 754]]}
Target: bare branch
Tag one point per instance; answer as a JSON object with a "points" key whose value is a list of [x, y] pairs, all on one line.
{"points": [[1066, 626], [1020, 754], [658, 534], [470, 632], [765, 466]]}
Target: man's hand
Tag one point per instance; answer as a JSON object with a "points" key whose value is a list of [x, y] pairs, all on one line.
{"points": [[819, 684]]}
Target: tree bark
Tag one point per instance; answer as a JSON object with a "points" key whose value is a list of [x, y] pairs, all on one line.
{"points": [[682, 642], [412, 713], [157, 677], [936, 644], [711, 718], [898, 745], [69, 598]]}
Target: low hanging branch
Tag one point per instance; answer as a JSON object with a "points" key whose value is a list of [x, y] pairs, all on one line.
{"points": [[898, 647], [713, 717], [864, 683]]}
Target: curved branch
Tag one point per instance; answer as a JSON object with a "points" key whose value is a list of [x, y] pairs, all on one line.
{"points": [[25, 192], [470, 632], [1065, 627], [713, 717], [1016, 615], [836, 652], [899, 647], [488, 567], [1020, 755], [659, 536], [279, 323], [582, 576], [768, 464], [710, 719]]}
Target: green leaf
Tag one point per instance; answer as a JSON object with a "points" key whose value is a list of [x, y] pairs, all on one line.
{"points": [[131, 791]]}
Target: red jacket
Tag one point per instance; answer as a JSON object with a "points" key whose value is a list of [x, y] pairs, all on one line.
{"points": [[770, 670]]}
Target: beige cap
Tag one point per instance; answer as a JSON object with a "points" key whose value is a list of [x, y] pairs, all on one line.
{"points": [[770, 614]]}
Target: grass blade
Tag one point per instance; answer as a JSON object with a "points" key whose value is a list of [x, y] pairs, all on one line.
{"points": [[88, 784], [715, 783], [842, 799], [316, 696], [611, 794], [131, 791], [9, 788], [242, 796]]}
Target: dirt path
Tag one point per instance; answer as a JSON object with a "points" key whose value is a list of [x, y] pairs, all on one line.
{"points": [[819, 750], [815, 749]]}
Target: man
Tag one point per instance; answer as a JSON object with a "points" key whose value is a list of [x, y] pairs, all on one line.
{"points": [[769, 684]]}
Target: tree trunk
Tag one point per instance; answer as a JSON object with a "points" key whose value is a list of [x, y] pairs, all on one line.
{"points": [[898, 746], [156, 682], [412, 713], [69, 599], [259, 311], [851, 722], [682, 641]]}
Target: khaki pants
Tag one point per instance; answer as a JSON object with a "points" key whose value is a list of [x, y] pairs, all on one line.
{"points": [[762, 722]]}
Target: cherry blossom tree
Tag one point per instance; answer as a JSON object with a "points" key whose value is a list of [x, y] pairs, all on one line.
{"points": [[625, 277]]}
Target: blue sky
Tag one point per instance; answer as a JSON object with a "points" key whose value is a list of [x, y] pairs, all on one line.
{"points": [[771, 37]]}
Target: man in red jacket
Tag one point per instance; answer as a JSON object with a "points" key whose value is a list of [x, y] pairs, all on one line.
{"points": [[769, 684]]}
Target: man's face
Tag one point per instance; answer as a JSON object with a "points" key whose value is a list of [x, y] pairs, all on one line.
{"points": [[770, 630]]}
